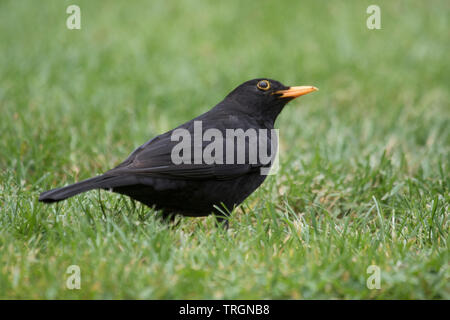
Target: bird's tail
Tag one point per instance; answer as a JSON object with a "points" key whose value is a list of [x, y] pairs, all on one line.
{"points": [[59, 194]]}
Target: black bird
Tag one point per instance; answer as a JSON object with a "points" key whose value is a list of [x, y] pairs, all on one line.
{"points": [[193, 187]]}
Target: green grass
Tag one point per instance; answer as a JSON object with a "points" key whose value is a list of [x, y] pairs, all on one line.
{"points": [[364, 162]]}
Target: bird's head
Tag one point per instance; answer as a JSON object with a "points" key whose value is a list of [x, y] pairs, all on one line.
{"points": [[265, 97]]}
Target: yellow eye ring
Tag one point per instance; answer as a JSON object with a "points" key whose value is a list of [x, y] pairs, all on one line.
{"points": [[263, 85]]}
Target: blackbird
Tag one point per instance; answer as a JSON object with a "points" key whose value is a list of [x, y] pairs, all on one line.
{"points": [[154, 175]]}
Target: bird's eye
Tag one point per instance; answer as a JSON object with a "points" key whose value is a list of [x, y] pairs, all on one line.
{"points": [[263, 85]]}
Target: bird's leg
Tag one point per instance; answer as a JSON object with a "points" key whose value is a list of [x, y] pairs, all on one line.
{"points": [[222, 221], [171, 219]]}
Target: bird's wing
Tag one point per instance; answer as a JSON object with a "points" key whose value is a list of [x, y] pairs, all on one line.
{"points": [[154, 159]]}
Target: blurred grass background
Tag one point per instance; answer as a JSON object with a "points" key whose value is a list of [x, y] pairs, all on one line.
{"points": [[364, 162]]}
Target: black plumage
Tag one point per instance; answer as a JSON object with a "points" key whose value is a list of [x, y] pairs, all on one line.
{"points": [[149, 174]]}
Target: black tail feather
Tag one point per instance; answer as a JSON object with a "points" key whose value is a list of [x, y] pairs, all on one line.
{"points": [[59, 194]]}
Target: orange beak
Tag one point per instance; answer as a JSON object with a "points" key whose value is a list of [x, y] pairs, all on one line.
{"points": [[294, 92]]}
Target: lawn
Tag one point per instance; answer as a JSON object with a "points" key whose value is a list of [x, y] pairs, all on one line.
{"points": [[364, 162]]}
